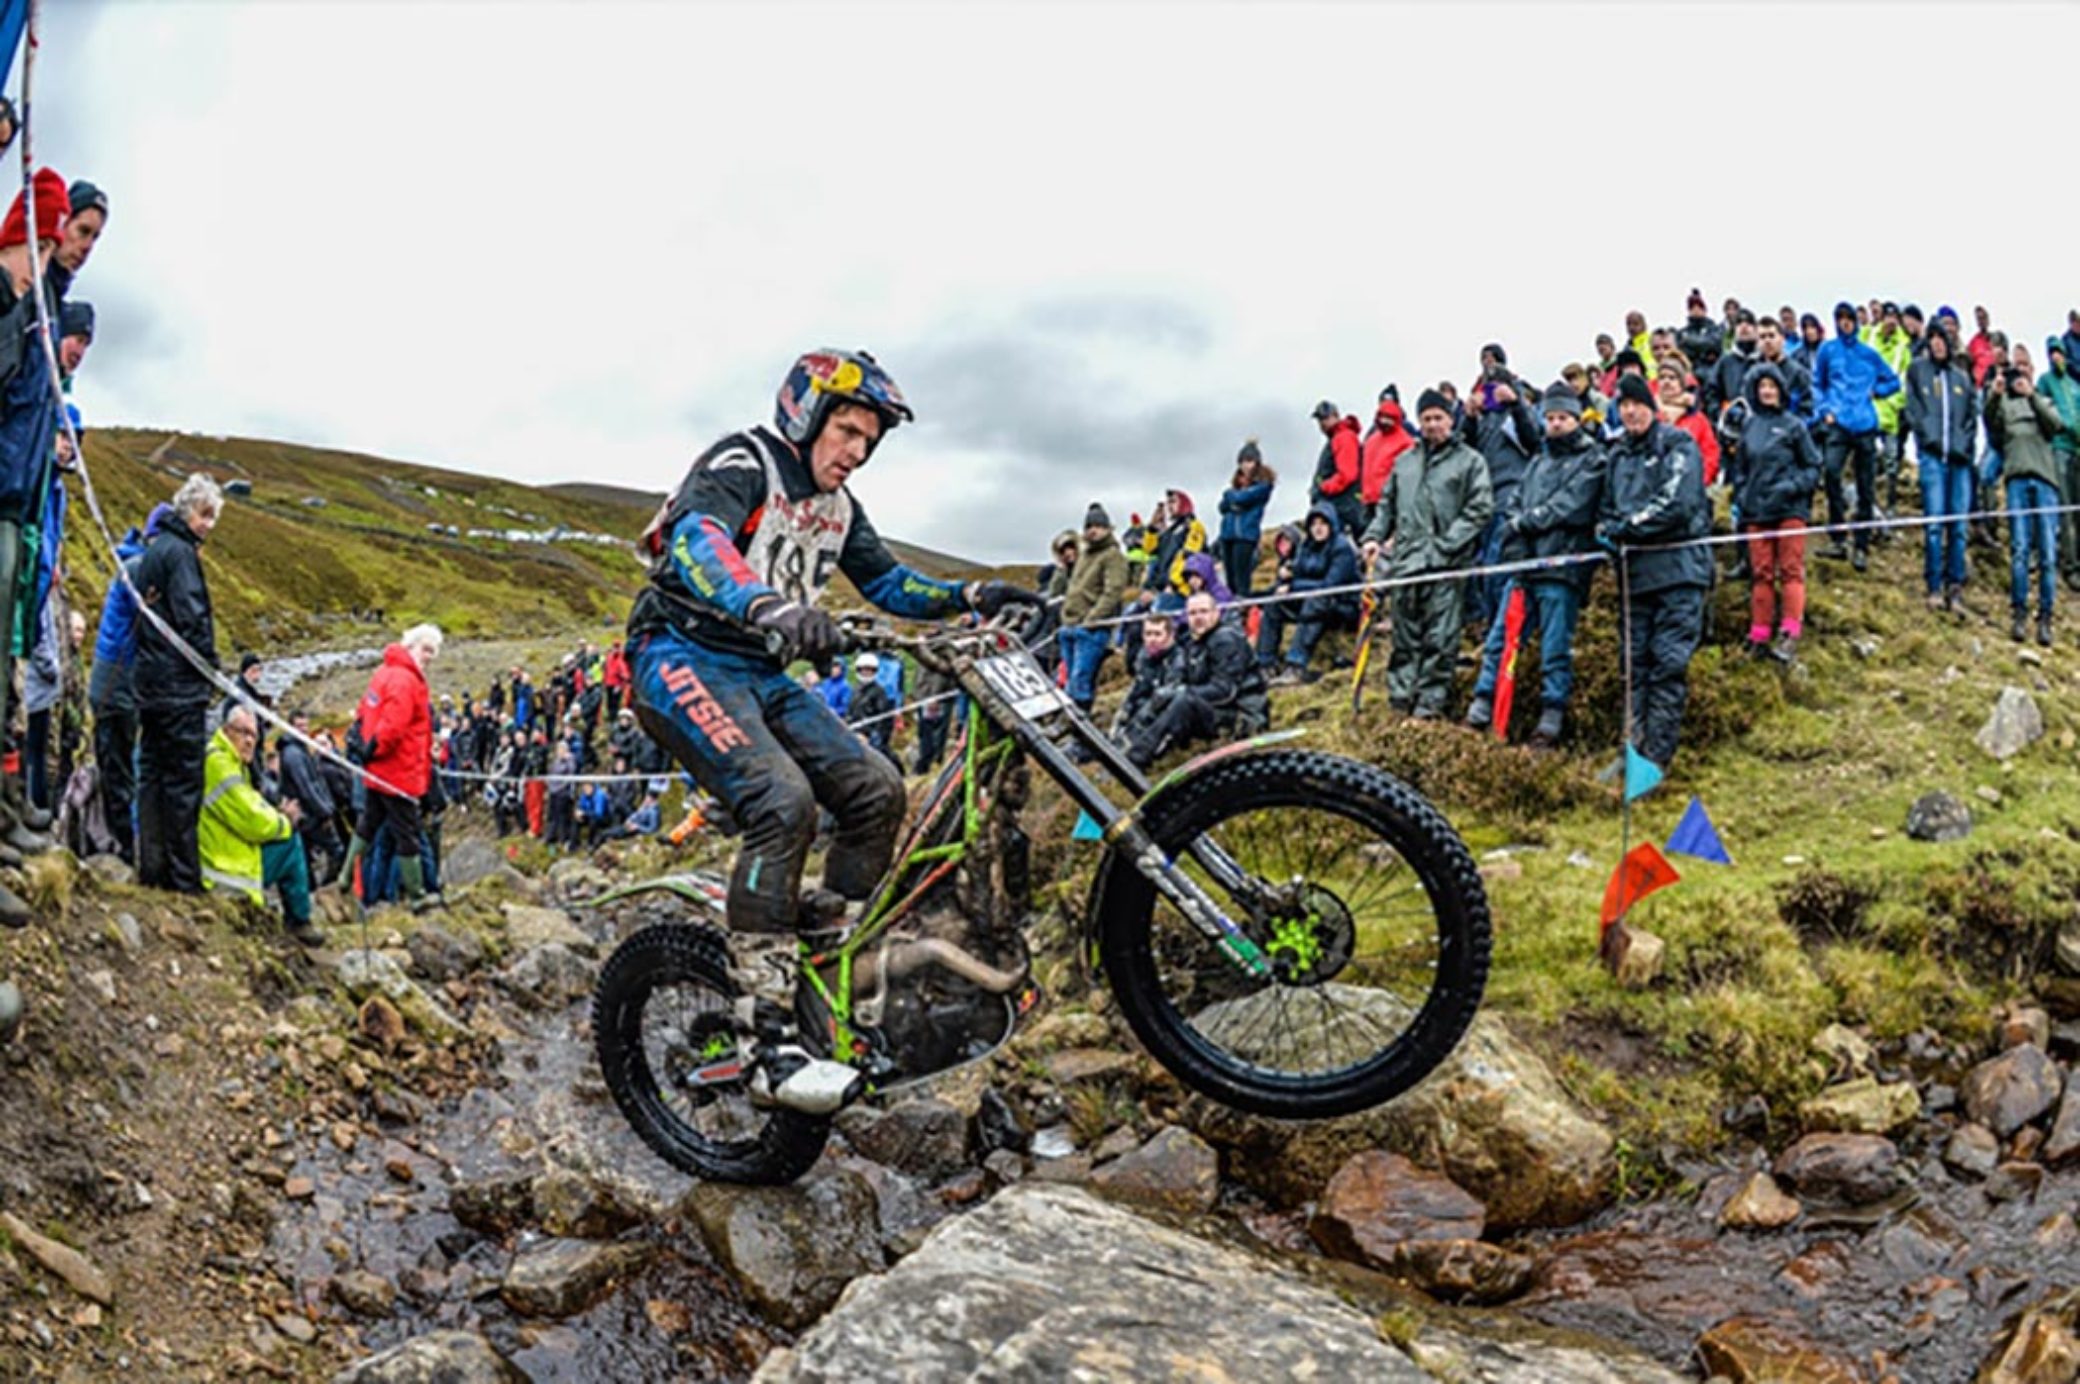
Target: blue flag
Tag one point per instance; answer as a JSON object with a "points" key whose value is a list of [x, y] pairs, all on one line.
{"points": [[1086, 829], [1695, 835], [1641, 775]]}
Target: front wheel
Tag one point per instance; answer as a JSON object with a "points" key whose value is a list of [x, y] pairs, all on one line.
{"points": [[668, 1048], [1367, 905]]}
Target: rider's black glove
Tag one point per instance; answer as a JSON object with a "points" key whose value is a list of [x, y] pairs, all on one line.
{"points": [[803, 632], [988, 598]]}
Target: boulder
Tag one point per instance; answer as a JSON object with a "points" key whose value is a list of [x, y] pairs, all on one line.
{"points": [[1939, 816], [1051, 1283], [1862, 1106], [792, 1249], [1176, 1171], [582, 1208], [495, 1206], [443, 1357], [466, 862], [550, 976], [2064, 1140], [1492, 1117], [1762, 1350], [2013, 726], [925, 1138], [529, 926], [2005, 1093], [1378, 1201], [367, 973], [1851, 1169], [1470, 1271], [1759, 1204], [439, 954], [561, 1278], [1972, 1151]]}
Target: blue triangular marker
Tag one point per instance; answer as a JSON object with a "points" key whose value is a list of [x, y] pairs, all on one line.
{"points": [[1086, 829], [1695, 835], [1641, 775]]}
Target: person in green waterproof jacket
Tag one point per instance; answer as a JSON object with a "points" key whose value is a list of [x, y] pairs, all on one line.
{"points": [[246, 843]]}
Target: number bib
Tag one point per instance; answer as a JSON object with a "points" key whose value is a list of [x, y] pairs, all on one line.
{"points": [[797, 543]]}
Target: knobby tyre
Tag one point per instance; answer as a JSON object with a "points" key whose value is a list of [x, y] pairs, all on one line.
{"points": [[1393, 933], [662, 993]]}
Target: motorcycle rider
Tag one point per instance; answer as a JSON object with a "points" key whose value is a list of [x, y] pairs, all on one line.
{"points": [[740, 555]]}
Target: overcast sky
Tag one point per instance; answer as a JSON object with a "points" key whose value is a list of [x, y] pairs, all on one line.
{"points": [[1097, 245]]}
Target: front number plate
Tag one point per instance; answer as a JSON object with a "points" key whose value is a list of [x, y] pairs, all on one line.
{"points": [[1019, 681]]}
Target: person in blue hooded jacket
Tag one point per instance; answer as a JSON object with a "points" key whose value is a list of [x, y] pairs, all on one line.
{"points": [[111, 690], [1326, 562], [1848, 378]]}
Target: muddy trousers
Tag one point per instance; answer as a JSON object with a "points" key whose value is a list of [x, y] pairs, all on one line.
{"points": [[772, 753], [1665, 628]]}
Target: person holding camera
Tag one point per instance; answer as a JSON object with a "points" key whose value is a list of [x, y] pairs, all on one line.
{"points": [[2021, 423]]}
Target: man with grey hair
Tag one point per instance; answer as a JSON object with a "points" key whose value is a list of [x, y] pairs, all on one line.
{"points": [[248, 845], [393, 729], [173, 695]]}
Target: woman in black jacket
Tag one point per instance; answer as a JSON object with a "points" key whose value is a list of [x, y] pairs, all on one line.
{"points": [[1776, 466]]}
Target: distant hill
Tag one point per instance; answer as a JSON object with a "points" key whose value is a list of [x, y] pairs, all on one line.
{"points": [[324, 546]]}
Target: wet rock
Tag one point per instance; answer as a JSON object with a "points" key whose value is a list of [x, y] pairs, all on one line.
{"points": [[2013, 726], [466, 862], [1379, 1200], [363, 1293], [1862, 1106], [998, 1126], [1918, 1242], [1176, 1171], [78, 1272], [1492, 1117], [529, 926], [1051, 1283], [549, 976], [443, 1357], [581, 1208], [372, 972], [1759, 1204], [1470, 1271], [1939, 816], [2015, 1182], [2064, 1140], [1808, 1276], [1852, 1169], [575, 877], [1758, 1350], [441, 955], [2007, 1092], [792, 1249], [494, 1206], [2043, 1348], [1972, 1151], [1658, 1292], [924, 1138], [561, 1278]]}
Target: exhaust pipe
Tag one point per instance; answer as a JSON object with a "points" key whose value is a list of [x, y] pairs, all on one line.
{"points": [[906, 958]]}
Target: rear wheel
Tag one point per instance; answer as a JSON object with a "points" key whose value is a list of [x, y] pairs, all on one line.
{"points": [[668, 1046], [1366, 904]]}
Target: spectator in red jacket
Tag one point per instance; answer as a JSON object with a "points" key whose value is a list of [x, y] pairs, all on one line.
{"points": [[1387, 440], [395, 727], [1336, 471], [1677, 393], [1981, 348], [616, 678]]}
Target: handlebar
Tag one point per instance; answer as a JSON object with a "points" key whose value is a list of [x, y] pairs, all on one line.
{"points": [[937, 647]]}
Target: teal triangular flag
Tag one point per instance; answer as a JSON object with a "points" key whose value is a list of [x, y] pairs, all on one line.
{"points": [[1695, 835], [1086, 829], [1641, 775]]}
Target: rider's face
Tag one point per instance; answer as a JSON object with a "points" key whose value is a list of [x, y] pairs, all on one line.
{"points": [[841, 448]]}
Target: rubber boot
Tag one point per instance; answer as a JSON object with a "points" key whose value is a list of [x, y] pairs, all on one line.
{"points": [[411, 879], [1551, 721], [13, 912], [1481, 714], [2044, 628], [10, 1012]]}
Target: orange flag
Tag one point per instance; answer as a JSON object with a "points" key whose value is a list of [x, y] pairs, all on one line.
{"points": [[1639, 874]]}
